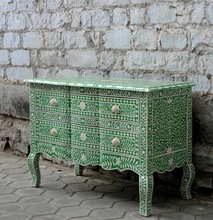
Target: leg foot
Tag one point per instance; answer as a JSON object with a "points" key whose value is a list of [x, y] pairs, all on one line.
{"points": [[145, 194], [78, 169], [188, 177], [33, 164]]}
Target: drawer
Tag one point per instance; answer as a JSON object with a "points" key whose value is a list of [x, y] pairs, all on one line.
{"points": [[117, 142], [85, 137], [52, 101], [122, 109], [84, 105], [55, 132]]}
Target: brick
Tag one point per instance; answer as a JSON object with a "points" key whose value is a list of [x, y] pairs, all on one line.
{"points": [[198, 13], [210, 12], [41, 21], [74, 39], [20, 58], [77, 58], [4, 57], [2, 22], [100, 3], [120, 16], [52, 40], [52, 57], [53, 4], [60, 19], [161, 14], [201, 37], [17, 21], [173, 39], [146, 39], [33, 40], [20, 73], [100, 18], [11, 40], [137, 16], [118, 39]]}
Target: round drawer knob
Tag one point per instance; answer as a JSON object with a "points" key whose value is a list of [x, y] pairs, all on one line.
{"points": [[53, 102], [115, 109], [116, 141], [53, 132]]}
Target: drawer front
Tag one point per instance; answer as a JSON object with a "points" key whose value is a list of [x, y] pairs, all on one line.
{"points": [[84, 105], [117, 142], [52, 101], [85, 137], [122, 109], [55, 132]]}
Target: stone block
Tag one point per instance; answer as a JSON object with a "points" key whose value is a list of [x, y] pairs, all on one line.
{"points": [[101, 3], [28, 6], [100, 18], [2, 22], [137, 16], [4, 57], [17, 21], [52, 40], [146, 39], [76, 18], [173, 39], [75, 39], [201, 38], [118, 39], [141, 1], [75, 3], [33, 40], [198, 13], [19, 73], [7, 5], [52, 5], [120, 16], [1, 72], [60, 20], [67, 73], [206, 64], [20, 58], [77, 58], [107, 60], [86, 19], [11, 40], [210, 12], [161, 13], [202, 83], [41, 21]]}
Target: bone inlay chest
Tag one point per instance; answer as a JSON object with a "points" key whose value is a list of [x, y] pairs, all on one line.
{"points": [[125, 124]]}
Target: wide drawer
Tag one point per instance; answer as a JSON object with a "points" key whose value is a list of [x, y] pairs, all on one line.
{"points": [[55, 132], [118, 142], [52, 101]]}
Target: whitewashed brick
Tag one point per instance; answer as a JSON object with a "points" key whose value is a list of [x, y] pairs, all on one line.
{"points": [[19, 73], [100, 3], [11, 40], [184, 12], [41, 21], [210, 12], [52, 58], [75, 3], [52, 40], [118, 39], [59, 19], [100, 18], [77, 58], [28, 5], [120, 16], [76, 18], [173, 39], [202, 83], [2, 22], [4, 57], [201, 37], [86, 19], [67, 73], [206, 64], [161, 13], [33, 40], [107, 60], [20, 58], [52, 5], [198, 13], [146, 39], [17, 21], [8, 5], [74, 39], [137, 16]]}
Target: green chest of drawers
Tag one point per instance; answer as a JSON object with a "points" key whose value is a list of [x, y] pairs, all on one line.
{"points": [[138, 125]]}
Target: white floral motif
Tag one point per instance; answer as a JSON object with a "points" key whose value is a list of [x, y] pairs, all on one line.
{"points": [[169, 150], [53, 149], [82, 105], [83, 157], [118, 161], [170, 161], [83, 136], [169, 101]]}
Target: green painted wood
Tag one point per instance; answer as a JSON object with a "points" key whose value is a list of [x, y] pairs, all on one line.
{"points": [[137, 125]]}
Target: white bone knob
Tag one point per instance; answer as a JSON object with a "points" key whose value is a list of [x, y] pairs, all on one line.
{"points": [[53, 102], [115, 109], [54, 132], [116, 141]]}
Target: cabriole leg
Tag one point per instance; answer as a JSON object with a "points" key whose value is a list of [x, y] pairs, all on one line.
{"points": [[187, 180], [78, 169], [145, 194], [33, 164]]}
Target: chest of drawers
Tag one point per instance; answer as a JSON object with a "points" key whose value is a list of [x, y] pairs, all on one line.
{"points": [[138, 125]]}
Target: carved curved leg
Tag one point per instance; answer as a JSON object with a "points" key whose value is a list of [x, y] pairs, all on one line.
{"points": [[188, 178], [78, 169], [33, 164], [145, 194]]}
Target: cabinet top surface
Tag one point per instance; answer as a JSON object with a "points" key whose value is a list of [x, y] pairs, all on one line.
{"points": [[112, 83]]}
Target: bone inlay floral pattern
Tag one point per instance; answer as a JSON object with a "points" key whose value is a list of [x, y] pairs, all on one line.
{"points": [[125, 124]]}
